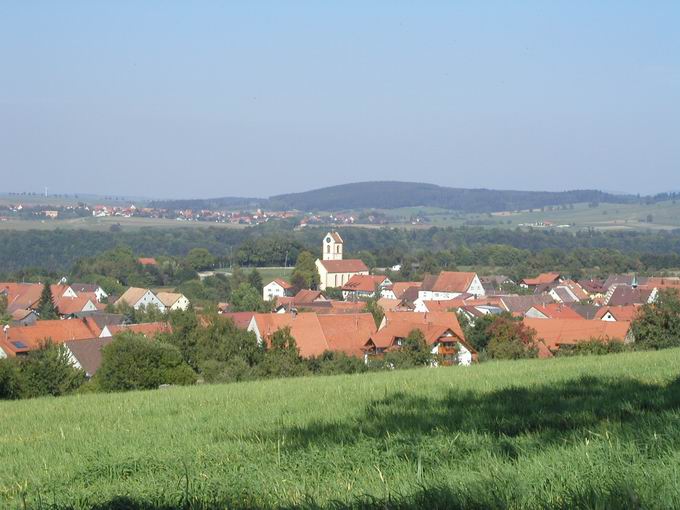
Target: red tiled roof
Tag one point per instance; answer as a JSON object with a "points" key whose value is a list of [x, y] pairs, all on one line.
{"points": [[347, 333], [558, 311], [147, 261], [542, 279], [304, 327], [448, 319], [149, 329], [345, 266], [555, 332], [70, 305], [400, 287], [283, 283], [620, 313], [363, 283], [241, 319], [26, 338], [449, 281]]}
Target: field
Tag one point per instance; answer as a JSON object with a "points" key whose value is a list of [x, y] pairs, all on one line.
{"points": [[597, 432], [105, 224], [664, 216]]}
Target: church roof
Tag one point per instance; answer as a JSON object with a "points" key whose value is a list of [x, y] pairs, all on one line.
{"points": [[344, 266]]}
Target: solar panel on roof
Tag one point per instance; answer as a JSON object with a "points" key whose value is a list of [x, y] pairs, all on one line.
{"points": [[19, 345]]}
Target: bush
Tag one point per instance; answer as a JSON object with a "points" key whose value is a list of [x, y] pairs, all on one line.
{"points": [[657, 325], [49, 371], [331, 362], [593, 347], [132, 362], [11, 382]]}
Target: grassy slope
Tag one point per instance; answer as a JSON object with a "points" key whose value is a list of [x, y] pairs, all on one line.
{"points": [[534, 434]]}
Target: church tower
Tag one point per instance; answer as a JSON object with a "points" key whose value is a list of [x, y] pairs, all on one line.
{"points": [[332, 246]]}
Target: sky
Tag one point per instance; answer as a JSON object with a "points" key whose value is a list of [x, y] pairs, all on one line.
{"points": [[253, 98]]}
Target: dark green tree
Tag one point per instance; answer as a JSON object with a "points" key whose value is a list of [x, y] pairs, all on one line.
{"points": [[49, 371], [200, 259], [11, 379], [305, 274], [46, 308], [255, 280], [282, 359], [132, 362], [657, 325], [246, 299]]}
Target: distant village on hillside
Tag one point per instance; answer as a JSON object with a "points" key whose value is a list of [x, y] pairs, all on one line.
{"points": [[338, 314]]}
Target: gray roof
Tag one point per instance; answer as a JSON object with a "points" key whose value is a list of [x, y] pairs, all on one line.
{"points": [[89, 353]]}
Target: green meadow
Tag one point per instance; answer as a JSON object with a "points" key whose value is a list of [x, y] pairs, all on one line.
{"points": [[582, 432]]}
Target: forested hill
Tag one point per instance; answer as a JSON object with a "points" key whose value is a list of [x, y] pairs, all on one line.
{"points": [[394, 194]]}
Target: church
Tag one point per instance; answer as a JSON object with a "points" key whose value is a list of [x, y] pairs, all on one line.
{"points": [[333, 270]]}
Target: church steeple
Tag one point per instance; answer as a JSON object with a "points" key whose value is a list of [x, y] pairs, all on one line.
{"points": [[332, 246]]}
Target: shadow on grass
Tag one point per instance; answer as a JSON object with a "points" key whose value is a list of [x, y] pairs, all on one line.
{"points": [[550, 411], [435, 498]]}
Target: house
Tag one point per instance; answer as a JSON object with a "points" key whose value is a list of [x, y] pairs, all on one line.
{"points": [[594, 287], [568, 291], [90, 288], [16, 341], [173, 301], [442, 333], [21, 317], [314, 334], [443, 305], [493, 284], [519, 305], [364, 287], [240, 319], [555, 333], [148, 329], [473, 312], [450, 285], [277, 288], [541, 279], [552, 311], [625, 295], [102, 318], [617, 313], [398, 289], [87, 354], [147, 261], [69, 306], [140, 298], [631, 280], [334, 271]]}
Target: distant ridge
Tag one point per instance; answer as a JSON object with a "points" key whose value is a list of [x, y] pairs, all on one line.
{"points": [[394, 194]]}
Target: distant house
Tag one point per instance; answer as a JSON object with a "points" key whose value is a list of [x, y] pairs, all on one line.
{"points": [[333, 270], [80, 288], [552, 311], [19, 340], [314, 334], [519, 305], [87, 354], [568, 291], [541, 279], [21, 317], [618, 313], [69, 306], [147, 261], [442, 333], [138, 298], [556, 333], [398, 289], [173, 301], [624, 295], [450, 285], [148, 329], [364, 286], [276, 288]]}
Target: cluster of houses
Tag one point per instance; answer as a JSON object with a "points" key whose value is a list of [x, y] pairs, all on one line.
{"points": [[562, 312]]}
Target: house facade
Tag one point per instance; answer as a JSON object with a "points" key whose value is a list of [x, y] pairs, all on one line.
{"points": [[276, 289]]}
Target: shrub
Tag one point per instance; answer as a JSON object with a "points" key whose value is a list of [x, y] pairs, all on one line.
{"points": [[49, 371], [11, 381], [132, 362]]}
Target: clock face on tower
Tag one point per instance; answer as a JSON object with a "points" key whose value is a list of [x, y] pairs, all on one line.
{"points": [[328, 239]]}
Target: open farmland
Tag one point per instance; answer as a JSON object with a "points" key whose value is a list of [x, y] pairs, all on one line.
{"points": [[104, 224], [597, 432]]}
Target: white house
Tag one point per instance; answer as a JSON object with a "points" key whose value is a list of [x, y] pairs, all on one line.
{"points": [[275, 289], [173, 301], [138, 298], [450, 285], [333, 270]]}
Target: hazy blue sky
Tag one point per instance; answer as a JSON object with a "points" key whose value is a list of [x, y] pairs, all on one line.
{"points": [[256, 98]]}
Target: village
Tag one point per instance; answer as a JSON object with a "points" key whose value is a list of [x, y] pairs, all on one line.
{"points": [[350, 311]]}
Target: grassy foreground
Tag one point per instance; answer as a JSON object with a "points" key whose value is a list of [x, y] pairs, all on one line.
{"points": [[597, 432]]}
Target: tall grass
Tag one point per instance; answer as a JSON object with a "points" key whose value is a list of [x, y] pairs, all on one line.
{"points": [[598, 432]]}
